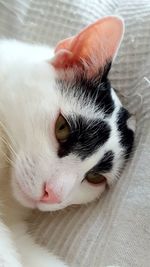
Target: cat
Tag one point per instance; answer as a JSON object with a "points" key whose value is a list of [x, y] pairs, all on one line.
{"points": [[64, 134]]}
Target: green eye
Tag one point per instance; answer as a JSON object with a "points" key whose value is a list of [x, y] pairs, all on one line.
{"points": [[62, 129], [95, 178]]}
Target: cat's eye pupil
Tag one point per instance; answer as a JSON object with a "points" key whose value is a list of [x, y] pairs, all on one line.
{"points": [[95, 178], [94, 174], [62, 129]]}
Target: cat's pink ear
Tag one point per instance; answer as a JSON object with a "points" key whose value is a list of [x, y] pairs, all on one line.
{"points": [[92, 48]]}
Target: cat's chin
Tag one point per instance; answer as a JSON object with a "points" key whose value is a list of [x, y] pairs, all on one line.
{"points": [[52, 207]]}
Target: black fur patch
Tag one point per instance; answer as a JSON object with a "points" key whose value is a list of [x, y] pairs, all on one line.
{"points": [[97, 90], [99, 93], [88, 135], [105, 164], [126, 134], [85, 138]]}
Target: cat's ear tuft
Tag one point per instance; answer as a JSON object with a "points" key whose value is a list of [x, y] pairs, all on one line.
{"points": [[131, 123], [92, 48]]}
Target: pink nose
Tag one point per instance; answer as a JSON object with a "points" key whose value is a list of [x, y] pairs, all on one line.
{"points": [[50, 196]]}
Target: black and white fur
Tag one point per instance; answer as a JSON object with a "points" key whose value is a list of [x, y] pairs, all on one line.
{"points": [[31, 97]]}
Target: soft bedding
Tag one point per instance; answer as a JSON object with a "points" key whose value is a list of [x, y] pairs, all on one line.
{"points": [[116, 229]]}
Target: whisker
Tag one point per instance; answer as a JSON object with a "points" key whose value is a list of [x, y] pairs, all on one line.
{"points": [[8, 160], [8, 145], [6, 157], [7, 133]]}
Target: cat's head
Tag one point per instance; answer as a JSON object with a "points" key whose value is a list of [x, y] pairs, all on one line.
{"points": [[71, 134]]}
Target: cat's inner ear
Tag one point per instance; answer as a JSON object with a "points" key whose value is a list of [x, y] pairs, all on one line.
{"points": [[92, 48]]}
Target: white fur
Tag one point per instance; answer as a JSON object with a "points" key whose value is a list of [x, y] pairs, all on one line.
{"points": [[17, 249], [30, 102]]}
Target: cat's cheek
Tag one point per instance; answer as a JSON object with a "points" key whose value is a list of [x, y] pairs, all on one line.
{"points": [[86, 193], [20, 196]]}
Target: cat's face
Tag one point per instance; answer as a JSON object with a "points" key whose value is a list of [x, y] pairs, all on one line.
{"points": [[71, 137], [93, 140]]}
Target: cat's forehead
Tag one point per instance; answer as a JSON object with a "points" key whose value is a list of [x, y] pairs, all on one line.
{"points": [[91, 111], [88, 98]]}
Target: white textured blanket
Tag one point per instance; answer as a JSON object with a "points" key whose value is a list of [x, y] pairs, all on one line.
{"points": [[116, 229]]}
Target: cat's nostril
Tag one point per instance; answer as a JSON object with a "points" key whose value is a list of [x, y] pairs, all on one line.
{"points": [[50, 196]]}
